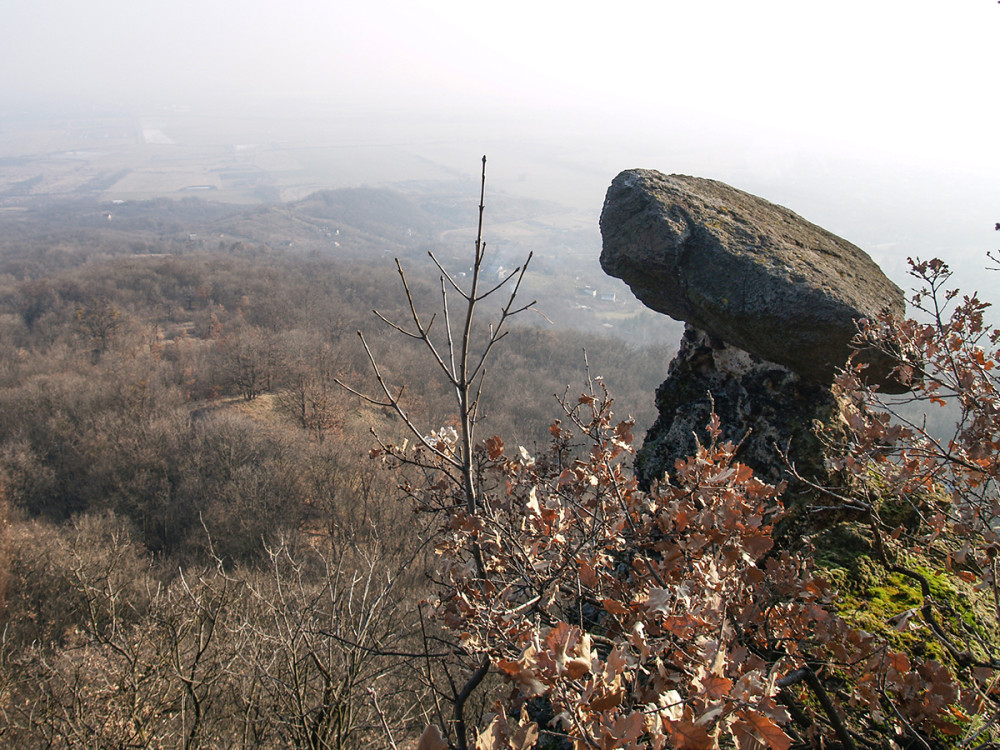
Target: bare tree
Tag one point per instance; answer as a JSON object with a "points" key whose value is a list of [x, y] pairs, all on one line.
{"points": [[448, 452], [321, 628], [283, 656]]}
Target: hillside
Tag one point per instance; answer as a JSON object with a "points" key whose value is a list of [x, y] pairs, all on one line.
{"points": [[38, 235]]}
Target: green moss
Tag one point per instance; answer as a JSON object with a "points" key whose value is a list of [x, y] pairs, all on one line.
{"points": [[878, 600], [962, 610]]}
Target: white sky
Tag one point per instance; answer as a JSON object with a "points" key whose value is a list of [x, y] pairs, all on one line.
{"points": [[791, 98], [901, 75]]}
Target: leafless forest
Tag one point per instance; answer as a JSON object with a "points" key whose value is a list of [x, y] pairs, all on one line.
{"points": [[198, 550]]}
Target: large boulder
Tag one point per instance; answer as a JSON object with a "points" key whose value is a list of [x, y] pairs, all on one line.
{"points": [[746, 271]]}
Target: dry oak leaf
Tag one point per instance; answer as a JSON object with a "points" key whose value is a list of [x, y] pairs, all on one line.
{"points": [[714, 687], [497, 736], [659, 601], [571, 649], [686, 735], [760, 729], [624, 733], [607, 700], [614, 607], [494, 447]]}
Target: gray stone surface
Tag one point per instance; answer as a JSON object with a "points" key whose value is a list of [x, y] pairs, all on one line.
{"points": [[749, 272], [763, 407]]}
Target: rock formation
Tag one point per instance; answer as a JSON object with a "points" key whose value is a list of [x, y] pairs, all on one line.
{"points": [[771, 303], [746, 271], [764, 406]]}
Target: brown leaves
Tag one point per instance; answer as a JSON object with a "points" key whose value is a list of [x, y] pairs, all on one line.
{"points": [[693, 614], [614, 607], [502, 734], [623, 733], [571, 650], [936, 482], [760, 731], [494, 448], [688, 735], [713, 687], [431, 739], [672, 578]]}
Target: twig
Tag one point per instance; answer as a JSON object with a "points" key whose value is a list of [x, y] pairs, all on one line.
{"points": [[467, 690], [807, 675], [381, 716], [829, 709]]}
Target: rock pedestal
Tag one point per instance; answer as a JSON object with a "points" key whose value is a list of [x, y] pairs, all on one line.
{"points": [[771, 303], [762, 406]]}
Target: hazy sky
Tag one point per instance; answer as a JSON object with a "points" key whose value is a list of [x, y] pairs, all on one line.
{"points": [[893, 101], [900, 76]]}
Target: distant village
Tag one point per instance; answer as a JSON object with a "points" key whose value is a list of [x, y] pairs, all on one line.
{"points": [[593, 292]]}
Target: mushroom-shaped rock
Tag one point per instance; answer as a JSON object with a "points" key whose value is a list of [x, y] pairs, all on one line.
{"points": [[749, 272]]}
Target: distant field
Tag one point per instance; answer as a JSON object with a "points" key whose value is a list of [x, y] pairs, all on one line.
{"points": [[169, 154], [264, 161], [295, 156]]}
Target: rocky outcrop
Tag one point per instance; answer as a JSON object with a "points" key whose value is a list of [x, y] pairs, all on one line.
{"points": [[746, 271], [771, 304], [764, 407]]}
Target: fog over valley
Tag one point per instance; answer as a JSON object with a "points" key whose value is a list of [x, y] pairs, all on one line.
{"points": [[872, 121]]}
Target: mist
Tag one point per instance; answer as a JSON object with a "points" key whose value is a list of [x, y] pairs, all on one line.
{"points": [[872, 120]]}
